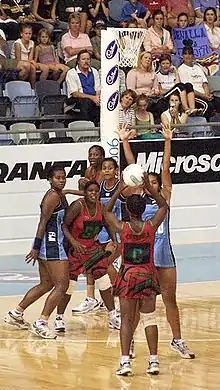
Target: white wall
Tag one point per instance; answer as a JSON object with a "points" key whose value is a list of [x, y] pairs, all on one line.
{"points": [[195, 215]]}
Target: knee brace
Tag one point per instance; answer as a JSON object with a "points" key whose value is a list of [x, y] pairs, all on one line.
{"points": [[103, 283], [71, 288], [148, 319]]}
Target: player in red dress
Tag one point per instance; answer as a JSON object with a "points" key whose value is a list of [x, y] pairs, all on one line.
{"points": [[82, 223], [137, 285]]}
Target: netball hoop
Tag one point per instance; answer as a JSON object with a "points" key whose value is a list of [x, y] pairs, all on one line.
{"points": [[129, 41]]}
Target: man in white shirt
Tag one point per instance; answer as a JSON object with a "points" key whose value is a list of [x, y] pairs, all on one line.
{"points": [[190, 72], [83, 86]]}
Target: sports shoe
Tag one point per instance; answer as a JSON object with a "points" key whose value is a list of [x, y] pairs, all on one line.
{"points": [[180, 347], [59, 324], [101, 305], [18, 321], [153, 368], [124, 369], [132, 352], [40, 328], [115, 322], [89, 304]]}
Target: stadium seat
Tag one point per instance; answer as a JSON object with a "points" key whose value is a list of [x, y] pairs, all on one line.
{"points": [[78, 133], [5, 106], [60, 140], [1, 89], [199, 129], [52, 104], [5, 138], [24, 138], [18, 88], [214, 85], [53, 125], [23, 99], [47, 87]]}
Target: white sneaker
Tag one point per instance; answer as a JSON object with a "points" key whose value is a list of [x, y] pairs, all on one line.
{"points": [[89, 304], [180, 347], [153, 368], [124, 369], [59, 324], [115, 321], [40, 328], [18, 321]]}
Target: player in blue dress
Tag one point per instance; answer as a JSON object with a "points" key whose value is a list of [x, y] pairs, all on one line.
{"points": [[163, 255], [48, 250]]}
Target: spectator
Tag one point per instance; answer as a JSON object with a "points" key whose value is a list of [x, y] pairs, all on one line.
{"points": [[8, 25], [213, 32], [194, 74], [23, 50], [96, 40], [83, 85], [159, 39], [74, 42], [200, 7], [97, 11], [45, 54], [66, 7], [126, 112], [174, 114], [143, 79], [45, 13], [144, 117], [6, 64], [154, 5], [133, 9], [182, 20], [115, 7], [175, 7]]}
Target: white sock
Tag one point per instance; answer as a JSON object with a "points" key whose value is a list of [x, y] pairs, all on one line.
{"points": [[40, 321], [178, 340], [16, 312], [125, 359], [91, 299], [153, 358], [111, 313]]}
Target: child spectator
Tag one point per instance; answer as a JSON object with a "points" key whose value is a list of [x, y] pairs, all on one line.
{"points": [[96, 40], [23, 50], [126, 112], [175, 7], [133, 9], [97, 11], [45, 54], [144, 117]]}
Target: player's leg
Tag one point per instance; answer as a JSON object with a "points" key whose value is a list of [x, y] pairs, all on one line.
{"points": [[148, 320], [59, 324], [15, 316], [167, 281], [128, 310], [90, 303]]}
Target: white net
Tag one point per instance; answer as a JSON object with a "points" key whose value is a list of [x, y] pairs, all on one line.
{"points": [[129, 42]]}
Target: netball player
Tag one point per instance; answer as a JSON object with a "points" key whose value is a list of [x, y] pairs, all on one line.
{"points": [[82, 223], [49, 251], [137, 284], [163, 254]]}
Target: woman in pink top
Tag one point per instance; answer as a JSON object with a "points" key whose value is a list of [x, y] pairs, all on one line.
{"points": [[160, 41], [143, 79], [175, 7]]}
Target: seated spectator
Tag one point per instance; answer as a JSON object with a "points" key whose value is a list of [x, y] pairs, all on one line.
{"points": [[169, 82], [44, 12], [97, 11], [126, 112], [96, 40], [6, 63], [200, 7], [83, 85], [115, 7], [159, 38], [45, 54], [182, 20], [154, 5], [143, 79], [213, 32], [190, 72], [144, 117], [23, 50], [133, 9], [175, 7], [74, 42], [8, 25], [66, 7], [174, 114]]}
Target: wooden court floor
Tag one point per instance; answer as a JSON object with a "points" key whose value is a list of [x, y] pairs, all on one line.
{"points": [[87, 356]]}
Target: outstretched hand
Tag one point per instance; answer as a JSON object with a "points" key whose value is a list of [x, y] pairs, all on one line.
{"points": [[124, 133], [167, 132]]}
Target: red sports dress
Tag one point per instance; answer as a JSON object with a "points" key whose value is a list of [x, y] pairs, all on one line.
{"points": [[85, 229], [137, 278]]}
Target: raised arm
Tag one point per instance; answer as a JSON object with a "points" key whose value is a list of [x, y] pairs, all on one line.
{"points": [[110, 218], [125, 135], [166, 176]]}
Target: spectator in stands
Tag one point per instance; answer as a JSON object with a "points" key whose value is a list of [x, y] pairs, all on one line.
{"points": [[96, 40], [175, 113], [133, 9], [115, 7], [144, 117], [83, 85], [23, 50], [213, 32], [5, 63], [74, 42], [8, 25], [159, 38], [97, 11], [45, 54], [153, 5], [175, 7], [126, 112], [66, 7], [182, 20], [200, 7], [143, 79], [44, 12], [194, 74]]}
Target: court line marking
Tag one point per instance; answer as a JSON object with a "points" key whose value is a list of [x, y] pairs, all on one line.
{"points": [[62, 340]]}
